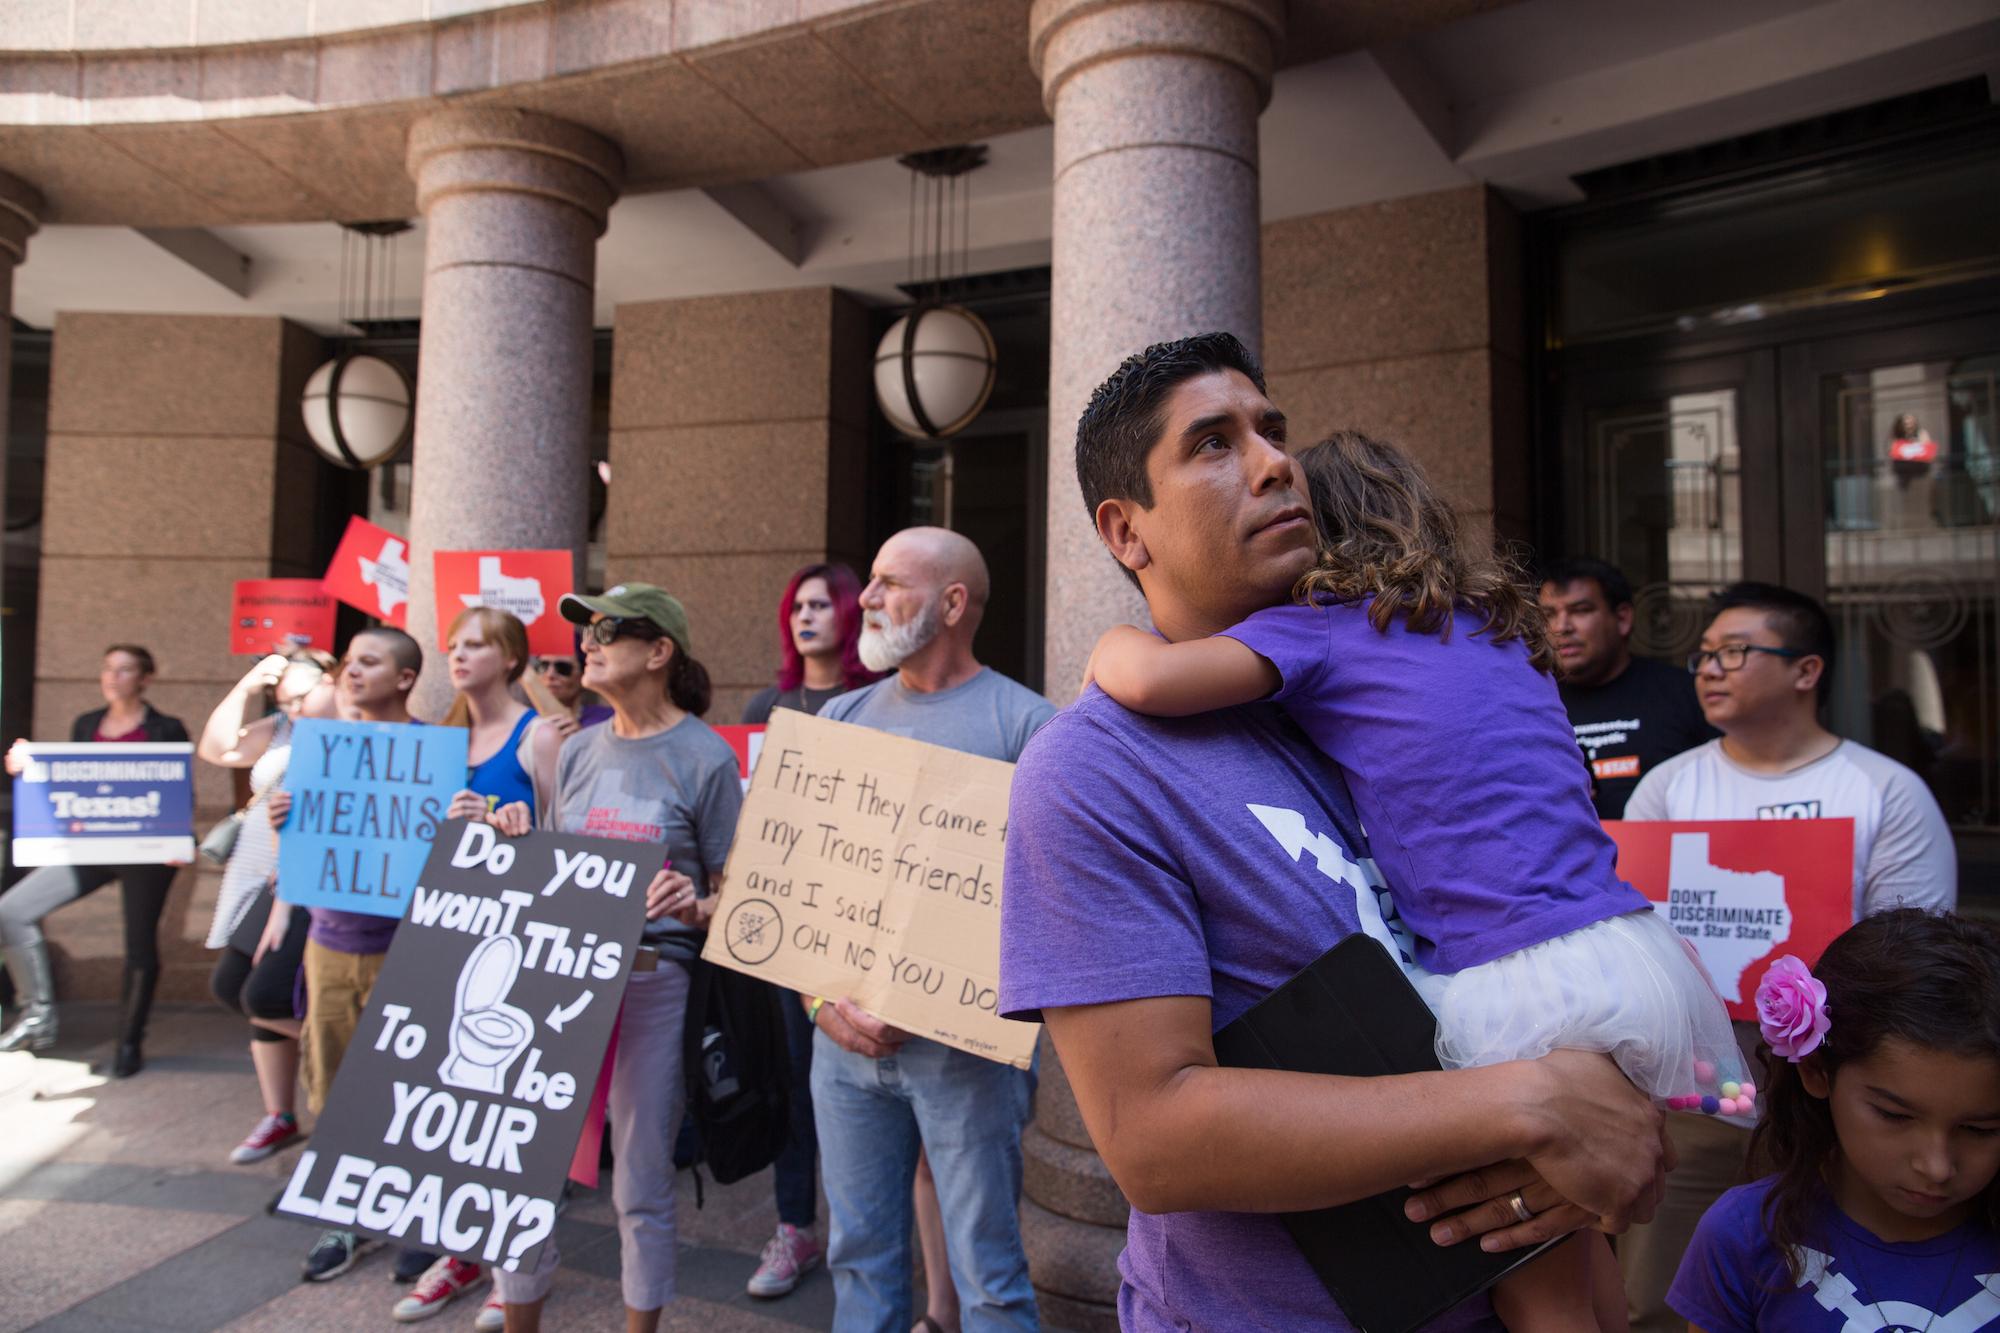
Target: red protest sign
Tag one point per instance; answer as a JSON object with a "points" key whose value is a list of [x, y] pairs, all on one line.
{"points": [[370, 571], [278, 615], [526, 583], [1743, 892], [748, 742]]}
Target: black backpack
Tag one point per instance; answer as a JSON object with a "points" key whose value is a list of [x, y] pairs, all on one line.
{"points": [[739, 1071]]}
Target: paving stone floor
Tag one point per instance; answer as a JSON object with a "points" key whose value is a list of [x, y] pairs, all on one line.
{"points": [[120, 1212]]}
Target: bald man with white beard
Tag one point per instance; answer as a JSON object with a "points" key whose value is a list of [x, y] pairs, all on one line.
{"points": [[880, 1093]]}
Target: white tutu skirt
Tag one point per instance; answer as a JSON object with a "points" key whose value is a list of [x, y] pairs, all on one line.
{"points": [[1628, 987]]}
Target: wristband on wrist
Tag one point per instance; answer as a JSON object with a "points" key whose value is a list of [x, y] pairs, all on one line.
{"points": [[812, 1012]]}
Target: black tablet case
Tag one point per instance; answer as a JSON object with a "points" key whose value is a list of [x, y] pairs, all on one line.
{"points": [[1353, 1012]]}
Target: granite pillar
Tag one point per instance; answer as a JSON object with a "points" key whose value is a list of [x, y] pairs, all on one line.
{"points": [[178, 462], [513, 204], [1155, 235], [738, 453]]}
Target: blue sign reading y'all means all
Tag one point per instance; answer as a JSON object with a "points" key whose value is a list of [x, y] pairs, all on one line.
{"points": [[367, 798], [98, 804]]}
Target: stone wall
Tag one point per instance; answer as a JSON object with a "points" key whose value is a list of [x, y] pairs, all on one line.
{"points": [[1403, 320], [738, 454], [177, 464]]}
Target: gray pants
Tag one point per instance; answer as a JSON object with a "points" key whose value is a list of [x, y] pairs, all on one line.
{"points": [[644, 1117], [49, 887]]}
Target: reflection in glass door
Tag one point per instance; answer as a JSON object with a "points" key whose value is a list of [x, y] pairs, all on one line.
{"points": [[1912, 564], [1663, 501]]}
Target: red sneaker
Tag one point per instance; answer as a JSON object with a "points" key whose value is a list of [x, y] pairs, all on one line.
{"points": [[444, 1282], [272, 1133]]}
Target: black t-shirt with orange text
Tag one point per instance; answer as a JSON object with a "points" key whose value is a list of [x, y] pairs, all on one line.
{"points": [[1643, 716]]}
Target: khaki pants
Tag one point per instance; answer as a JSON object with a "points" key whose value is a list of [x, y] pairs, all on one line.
{"points": [[337, 986], [1711, 1154]]}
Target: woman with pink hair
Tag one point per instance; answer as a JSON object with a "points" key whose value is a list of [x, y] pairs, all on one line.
{"points": [[819, 625]]}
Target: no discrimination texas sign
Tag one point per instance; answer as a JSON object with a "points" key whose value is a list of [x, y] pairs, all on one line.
{"points": [[1743, 892], [459, 1103], [96, 804]]}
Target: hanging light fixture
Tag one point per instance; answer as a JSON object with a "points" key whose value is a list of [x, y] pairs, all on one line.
{"points": [[935, 367], [358, 407]]}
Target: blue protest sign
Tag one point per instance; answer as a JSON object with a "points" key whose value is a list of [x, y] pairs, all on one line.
{"points": [[93, 804], [367, 797]]}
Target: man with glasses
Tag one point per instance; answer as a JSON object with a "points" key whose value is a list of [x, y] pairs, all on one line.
{"points": [[1762, 674]]}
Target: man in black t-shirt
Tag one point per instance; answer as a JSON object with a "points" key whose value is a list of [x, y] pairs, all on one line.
{"points": [[1629, 713]]}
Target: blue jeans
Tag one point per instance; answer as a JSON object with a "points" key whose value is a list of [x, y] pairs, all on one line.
{"points": [[793, 1173], [872, 1116]]}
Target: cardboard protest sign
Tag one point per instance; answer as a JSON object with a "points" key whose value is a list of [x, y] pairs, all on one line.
{"points": [[458, 1104], [279, 615], [747, 740], [527, 584], [92, 804], [1743, 892], [370, 571], [867, 867], [367, 797]]}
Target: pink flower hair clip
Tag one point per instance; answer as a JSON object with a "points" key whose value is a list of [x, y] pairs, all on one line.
{"points": [[1791, 1009]]}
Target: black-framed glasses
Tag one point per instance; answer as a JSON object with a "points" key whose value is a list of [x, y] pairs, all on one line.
{"points": [[612, 628], [1732, 656], [562, 666]]}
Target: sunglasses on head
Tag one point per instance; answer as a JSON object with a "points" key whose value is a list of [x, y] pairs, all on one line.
{"points": [[562, 666], [611, 628]]}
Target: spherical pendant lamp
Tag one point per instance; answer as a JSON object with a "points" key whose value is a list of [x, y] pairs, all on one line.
{"points": [[357, 410], [934, 370]]}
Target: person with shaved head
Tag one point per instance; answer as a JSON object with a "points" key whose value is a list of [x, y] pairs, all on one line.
{"points": [[879, 1093]]}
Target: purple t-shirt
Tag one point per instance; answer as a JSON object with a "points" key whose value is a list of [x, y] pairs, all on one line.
{"points": [[1465, 773], [1733, 1279], [351, 932], [1214, 855]]}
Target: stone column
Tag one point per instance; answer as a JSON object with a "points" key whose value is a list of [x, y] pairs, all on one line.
{"points": [[513, 204], [1156, 234], [21, 208]]}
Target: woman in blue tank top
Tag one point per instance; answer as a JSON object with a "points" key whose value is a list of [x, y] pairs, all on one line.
{"points": [[488, 651]]}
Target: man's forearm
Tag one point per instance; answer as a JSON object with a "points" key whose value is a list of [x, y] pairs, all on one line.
{"points": [[1258, 1141]]}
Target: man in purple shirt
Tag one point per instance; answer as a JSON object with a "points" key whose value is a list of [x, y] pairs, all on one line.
{"points": [[1163, 874]]}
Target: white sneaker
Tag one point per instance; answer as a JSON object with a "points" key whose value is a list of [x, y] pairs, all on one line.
{"points": [[789, 1256], [492, 1316]]}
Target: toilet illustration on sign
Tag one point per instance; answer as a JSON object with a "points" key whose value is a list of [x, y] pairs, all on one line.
{"points": [[486, 1034]]}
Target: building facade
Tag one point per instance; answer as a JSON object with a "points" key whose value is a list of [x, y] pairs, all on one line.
{"points": [[1655, 282]]}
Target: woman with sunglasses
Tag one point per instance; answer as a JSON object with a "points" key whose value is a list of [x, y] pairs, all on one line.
{"points": [[655, 773], [128, 719], [263, 941], [563, 678]]}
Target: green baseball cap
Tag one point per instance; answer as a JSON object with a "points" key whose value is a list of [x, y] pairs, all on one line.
{"points": [[632, 601]]}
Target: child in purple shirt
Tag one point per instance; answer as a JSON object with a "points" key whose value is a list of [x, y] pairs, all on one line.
{"points": [[1424, 673]]}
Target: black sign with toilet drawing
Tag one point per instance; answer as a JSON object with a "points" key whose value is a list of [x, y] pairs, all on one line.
{"points": [[461, 1097]]}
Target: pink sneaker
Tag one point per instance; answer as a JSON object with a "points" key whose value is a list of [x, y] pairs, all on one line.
{"points": [[272, 1133], [789, 1256], [442, 1283]]}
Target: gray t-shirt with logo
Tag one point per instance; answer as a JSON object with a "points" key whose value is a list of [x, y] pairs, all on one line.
{"points": [[988, 715], [679, 788]]}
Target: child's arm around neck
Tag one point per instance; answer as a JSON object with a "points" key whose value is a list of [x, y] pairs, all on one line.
{"points": [[1148, 675]]}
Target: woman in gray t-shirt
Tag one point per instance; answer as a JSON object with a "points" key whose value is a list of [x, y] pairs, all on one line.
{"points": [[654, 773]]}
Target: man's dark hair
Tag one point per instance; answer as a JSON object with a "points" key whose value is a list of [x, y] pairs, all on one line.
{"points": [[1610, 579], [1800, 623], [402, 648], [1123, 422]]}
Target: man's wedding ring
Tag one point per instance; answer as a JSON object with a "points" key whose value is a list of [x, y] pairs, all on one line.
{"points": [[1520, 1207]]}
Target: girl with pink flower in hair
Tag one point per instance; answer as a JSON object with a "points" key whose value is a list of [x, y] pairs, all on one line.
{"points": [[1882, 1130]]}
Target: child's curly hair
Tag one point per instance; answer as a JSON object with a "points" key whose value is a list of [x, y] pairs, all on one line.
{"points": [[1386, 532]]}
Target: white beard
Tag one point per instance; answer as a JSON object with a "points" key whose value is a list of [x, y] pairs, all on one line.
{"points": [[884, 647]]}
